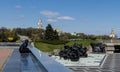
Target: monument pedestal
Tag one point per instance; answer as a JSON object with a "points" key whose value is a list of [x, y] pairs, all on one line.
{"points": [[111, 47]]}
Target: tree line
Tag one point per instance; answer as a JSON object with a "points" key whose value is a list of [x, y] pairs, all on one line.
{"points": [[43, 34]]}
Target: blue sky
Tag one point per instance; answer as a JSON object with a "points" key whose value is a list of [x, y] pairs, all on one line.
{"points": [[84, 16]]}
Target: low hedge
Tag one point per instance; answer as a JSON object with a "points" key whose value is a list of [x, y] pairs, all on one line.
{"points": [[54, 42]]}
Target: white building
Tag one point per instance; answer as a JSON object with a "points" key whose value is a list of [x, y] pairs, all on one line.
{"points": [[40, 23], [112, 34]]}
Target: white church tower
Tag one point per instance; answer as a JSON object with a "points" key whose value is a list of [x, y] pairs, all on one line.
{"points": [[40, 23], [112, 34]]}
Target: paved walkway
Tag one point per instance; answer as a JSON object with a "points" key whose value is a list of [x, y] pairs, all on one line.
{"points": [[111, 64], [4, 54], [93, 60]]}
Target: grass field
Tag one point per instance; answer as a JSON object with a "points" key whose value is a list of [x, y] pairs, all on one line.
{"points": [[49, 47]]}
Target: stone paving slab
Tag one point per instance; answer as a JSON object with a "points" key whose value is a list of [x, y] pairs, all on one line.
{"points": [[91, 60], [4, 54], [111, 64]]}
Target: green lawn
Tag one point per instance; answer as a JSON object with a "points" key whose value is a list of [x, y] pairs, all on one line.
{"points": [[49, 47]]}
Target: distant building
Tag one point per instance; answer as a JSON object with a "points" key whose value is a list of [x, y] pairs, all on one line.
{"points": [[112, 34], [40, 23], [74, 33]]}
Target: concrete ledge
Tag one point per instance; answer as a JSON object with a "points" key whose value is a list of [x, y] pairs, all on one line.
{"points": [[9, 45], [50, 64]]}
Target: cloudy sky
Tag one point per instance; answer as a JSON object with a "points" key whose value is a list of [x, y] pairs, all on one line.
{"points": [[86, 16]]}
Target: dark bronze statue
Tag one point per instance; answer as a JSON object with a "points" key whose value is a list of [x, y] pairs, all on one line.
{"points": [[23, 47], [117, 48], [73, 52], [98, 47]]}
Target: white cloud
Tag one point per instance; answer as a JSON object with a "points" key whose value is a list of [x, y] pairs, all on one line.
{"points": [[49, 13], [66, 18], [55, 16], [18, 6], [51, 20]]}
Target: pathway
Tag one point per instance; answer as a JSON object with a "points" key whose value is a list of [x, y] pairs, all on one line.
{"points": [[111, 64], [4, 54]]}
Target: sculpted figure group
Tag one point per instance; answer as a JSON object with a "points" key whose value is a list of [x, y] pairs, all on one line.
{"points": [[73, 52], [98, 47]]}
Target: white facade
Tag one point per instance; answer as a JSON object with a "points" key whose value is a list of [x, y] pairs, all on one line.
{"points": [[112, 34], [40, 23]]}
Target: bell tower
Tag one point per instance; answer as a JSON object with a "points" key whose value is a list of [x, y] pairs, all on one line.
{"points": [[40, 23], [112, 34]]}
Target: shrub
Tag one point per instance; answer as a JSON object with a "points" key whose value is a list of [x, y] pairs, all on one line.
{"points": [[54, 42]]}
